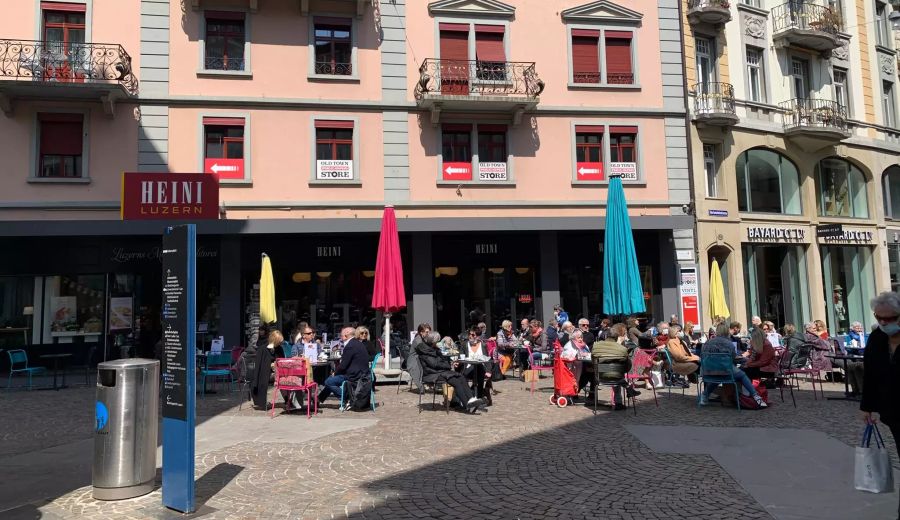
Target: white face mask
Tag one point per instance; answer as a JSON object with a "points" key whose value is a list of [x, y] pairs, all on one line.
{"points": [[665, 332]]}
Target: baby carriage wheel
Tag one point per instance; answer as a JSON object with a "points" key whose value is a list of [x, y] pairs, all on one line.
{"points": [[562, 402], [553, 399]]}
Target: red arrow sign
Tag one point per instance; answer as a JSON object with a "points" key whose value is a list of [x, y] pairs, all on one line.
{"points": [[225, 168], [589, 171], [457, 171]]}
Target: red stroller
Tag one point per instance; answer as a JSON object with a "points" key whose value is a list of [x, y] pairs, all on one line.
{"points": [[565, 386]]}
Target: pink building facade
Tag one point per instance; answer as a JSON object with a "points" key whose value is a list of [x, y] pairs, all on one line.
{"points": [[492, 127]]}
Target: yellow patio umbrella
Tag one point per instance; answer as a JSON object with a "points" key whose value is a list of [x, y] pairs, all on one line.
{"points": [[717, 304], [266, 292]]}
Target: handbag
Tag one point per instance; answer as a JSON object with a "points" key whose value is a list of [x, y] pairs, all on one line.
{"points": [[873, 470]]}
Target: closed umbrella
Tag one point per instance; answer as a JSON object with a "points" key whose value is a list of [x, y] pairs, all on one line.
{"points": [[266, 292], [622, 292], [717, 304], [389, 295]]}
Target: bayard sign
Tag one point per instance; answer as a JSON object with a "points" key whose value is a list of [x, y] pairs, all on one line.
{"points": [[170, 196]]}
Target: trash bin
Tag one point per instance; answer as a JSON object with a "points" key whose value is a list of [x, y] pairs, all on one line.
{"points": [[126, 427]]}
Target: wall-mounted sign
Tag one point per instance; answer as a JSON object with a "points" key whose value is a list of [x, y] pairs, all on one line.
{"points": [[689, 308], [589, 171], [628, 170], [334, 170], [829, 230], [684, 254], [486, 249], [169, 196], [225, 168], [525, 298], [328, 251], [851, 235], [122, 255], [775, 234], [492, 171], [718, 213], [456, 171]]}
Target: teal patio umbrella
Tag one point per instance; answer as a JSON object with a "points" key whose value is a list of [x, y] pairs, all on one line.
{"points": [[622, 292]]}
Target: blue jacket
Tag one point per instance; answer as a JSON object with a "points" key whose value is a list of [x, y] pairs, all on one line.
{"points": [[855, 335]]}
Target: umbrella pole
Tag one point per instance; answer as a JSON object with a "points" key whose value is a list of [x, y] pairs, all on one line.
{"points": [[387, 341]]}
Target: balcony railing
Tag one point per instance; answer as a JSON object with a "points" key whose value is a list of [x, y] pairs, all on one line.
{"points": [[334, 69], [58, 62], [817, 114], [474, 77], [805, 17], [612, 78], [223, 63], [704, 4], [709, 11], [713, 99]]}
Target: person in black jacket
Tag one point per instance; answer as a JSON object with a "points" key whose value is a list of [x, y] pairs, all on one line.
{"points": [[434, 363], [354, 364], [881, 367]]}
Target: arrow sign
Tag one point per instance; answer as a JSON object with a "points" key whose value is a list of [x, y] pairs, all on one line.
{"points": [[216, 168], [457, 171], [225, 168], [452, 171], [589, 171]]}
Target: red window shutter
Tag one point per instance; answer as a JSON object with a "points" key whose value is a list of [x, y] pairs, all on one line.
{"points": [[623, 129], [618, 55], [496, 29], [588, 129], [334, 124], [454, 45], [63, 6], [456, 128], [626, 35], [585, 55], [61, 137], [224, 121], [586, 33], [491, 128], [224, 15], [455, 27], [489, 46]]}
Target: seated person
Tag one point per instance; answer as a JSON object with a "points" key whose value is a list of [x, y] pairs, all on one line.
{"points": [[372, 347], [434, 363], [354, 364], [478, 373], [719, 345], [793, 340], [857, 338], [683, 362], [537, 340], [573, 352], [611, 361], [858, 334], [662, 334], [761, 356], [505, 345]]}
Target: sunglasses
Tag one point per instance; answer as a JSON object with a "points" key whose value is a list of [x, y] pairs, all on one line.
{"points": [[584, 325]]}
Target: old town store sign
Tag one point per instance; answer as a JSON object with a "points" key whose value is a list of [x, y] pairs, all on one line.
{"points": [[170, 196]]}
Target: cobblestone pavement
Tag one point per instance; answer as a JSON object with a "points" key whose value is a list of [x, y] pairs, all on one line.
{"points": [[522, 459]]}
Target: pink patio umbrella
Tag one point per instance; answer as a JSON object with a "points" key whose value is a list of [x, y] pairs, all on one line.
{"points": [[389, 295]]}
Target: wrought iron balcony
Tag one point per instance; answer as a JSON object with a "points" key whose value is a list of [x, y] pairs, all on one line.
{"points": [[814, 123], [75, 64], [714, 104], [223, 63], [712, 12], [333, 69], [806, 25], [462, 84], [612, 78]]}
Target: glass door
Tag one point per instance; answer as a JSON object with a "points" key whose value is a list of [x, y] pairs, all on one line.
{"points": [[706, 74]]}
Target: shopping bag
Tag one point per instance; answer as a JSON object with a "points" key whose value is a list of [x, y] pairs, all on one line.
{"points": [[656, 378], [873, 471], [531, 375]]}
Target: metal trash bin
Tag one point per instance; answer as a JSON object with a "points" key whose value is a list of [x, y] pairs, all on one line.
{"points": [[126, 428]]}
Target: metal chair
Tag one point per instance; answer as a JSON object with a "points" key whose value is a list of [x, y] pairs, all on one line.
{"points": [[641, 362], [537, 367], [673, 378], [804, 350], [436, 381], [216, 366], [245, 366], [718, 368], [19, 357], [613, 384], [292, 375]]}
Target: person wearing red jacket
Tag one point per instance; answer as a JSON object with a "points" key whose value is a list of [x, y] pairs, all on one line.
{"points": [[761, 356]]}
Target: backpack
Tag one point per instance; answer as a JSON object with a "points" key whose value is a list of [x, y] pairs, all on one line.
{"points": [[360, 392]]}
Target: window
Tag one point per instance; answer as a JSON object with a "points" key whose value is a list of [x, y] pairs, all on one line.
{"points": [[61, 145], [225, 41], [767, 183], [456, 143], [491, 143], [623, 144], [891, 188], [588, 144], [490, 54], [616, 52], [64, 57], [838, 9], [224, 146], [800, 75], [887, 104], [333, 46], [706, 63], [882, 28], [711, 169], [841, 90], [755, 75], [842, 189], [334, 151], [754, 3]]}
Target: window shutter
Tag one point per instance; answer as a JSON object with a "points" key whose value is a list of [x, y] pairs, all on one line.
{"points": [[489, 46], [492, 128], [61, 137], [456, 128], [224, 15], [588, 129], [455, 45], [623, 129], [332, 21], [334, 124], [618, 54], [585, 55], [63, 6], [224, 121]]}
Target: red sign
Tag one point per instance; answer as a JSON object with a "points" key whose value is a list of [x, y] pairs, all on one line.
{"points": [[457, 171], [589, 171], [169, 196], [225, 168], [689, 310], [525, 298]]}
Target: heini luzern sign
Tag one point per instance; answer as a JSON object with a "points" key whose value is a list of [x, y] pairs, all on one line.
{"points": [[169, 196]]}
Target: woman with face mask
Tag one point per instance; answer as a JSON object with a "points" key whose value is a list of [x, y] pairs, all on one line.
{"points": [[881, 367]]}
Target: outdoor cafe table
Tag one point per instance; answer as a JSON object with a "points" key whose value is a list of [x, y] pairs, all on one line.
{"points": [[486, 365], [56, 358], [845, 358]]}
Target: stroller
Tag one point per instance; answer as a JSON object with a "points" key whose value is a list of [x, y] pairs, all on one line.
{"points": [[565, 386]]}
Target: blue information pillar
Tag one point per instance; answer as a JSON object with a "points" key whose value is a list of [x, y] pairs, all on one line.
{"points": [[179, 266]]}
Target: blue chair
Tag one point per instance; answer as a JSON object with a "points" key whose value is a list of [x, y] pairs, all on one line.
{"points": [[718, 368], [346, 384], [216, 366], [673, 378], [19, 357]]}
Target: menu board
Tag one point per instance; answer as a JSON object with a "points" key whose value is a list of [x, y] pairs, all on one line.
{"points": [[63, 312], [120, 313], [177, 360]]}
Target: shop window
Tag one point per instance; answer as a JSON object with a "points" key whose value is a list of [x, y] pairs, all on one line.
{"points": [[767, 183], [490, 55], [224, 146], [842, 189], [616, 48], [334, 151], [492, 143], [61, 145], [891, 187], [849, 278], [74, 307], [333, 46], [225, 41], [16, 311]]}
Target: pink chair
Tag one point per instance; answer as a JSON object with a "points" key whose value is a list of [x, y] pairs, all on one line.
{"points": [[536, 367], [642, 362], [291, 375]]}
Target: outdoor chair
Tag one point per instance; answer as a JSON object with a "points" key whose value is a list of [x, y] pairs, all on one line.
{"points": [[813, 373], [216, 366], [345, 386], [18, 364], [611, 383], [537, 367], [436, 381], [673, 378], [718, 368], [784, 374], [642, 362], [292, 375], [246, 365]]}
